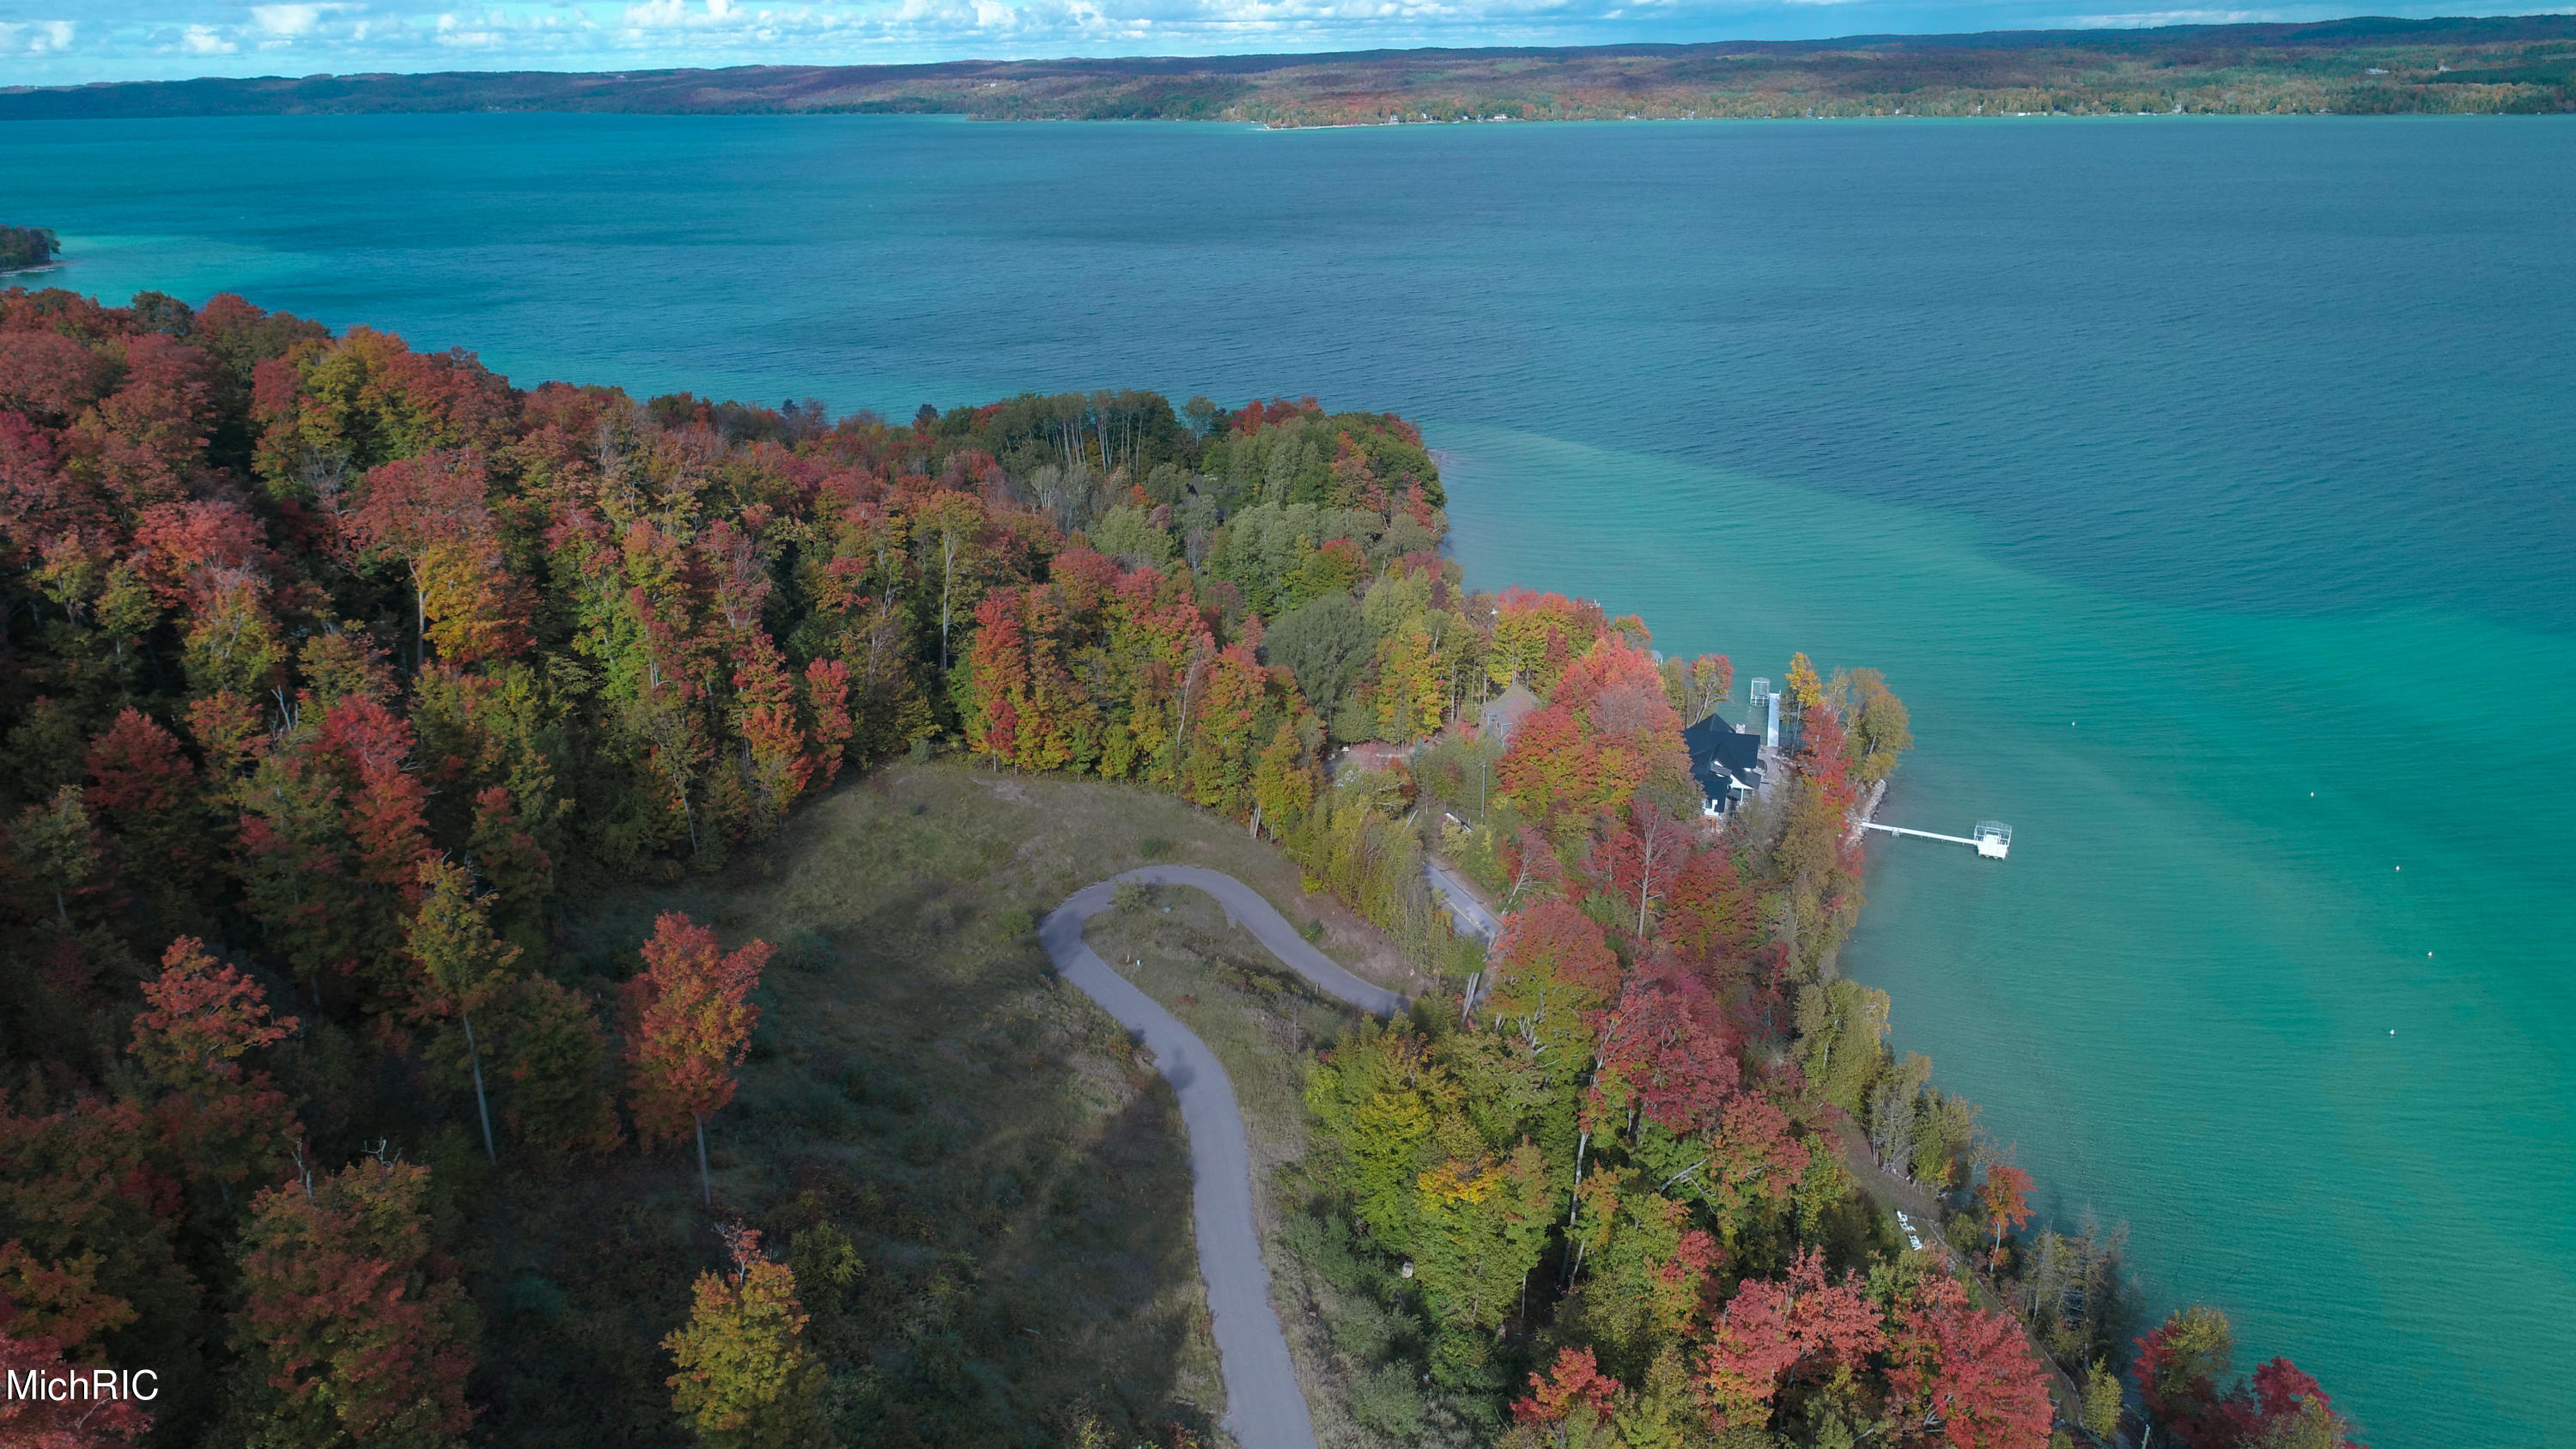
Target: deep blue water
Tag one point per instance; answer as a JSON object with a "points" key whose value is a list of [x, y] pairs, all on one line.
{"points": [[2205, 485]]}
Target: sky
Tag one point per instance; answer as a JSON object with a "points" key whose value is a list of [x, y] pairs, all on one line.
{"points": [[58, 42]]}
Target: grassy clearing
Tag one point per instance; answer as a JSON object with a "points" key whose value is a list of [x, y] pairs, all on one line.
{"points": [[1013, 1179]]}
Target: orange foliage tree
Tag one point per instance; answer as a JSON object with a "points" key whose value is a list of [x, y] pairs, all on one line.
{"points": [[1606, 731], [2005, 1197], [199, 1020], [688, 1025], [352, 1322], [1572, 1399]]}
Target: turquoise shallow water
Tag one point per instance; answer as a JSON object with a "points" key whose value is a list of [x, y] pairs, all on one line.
{"points": [[2204, 485]]}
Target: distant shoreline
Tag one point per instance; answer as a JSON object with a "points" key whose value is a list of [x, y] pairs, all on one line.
{"points": [[1893, 116], [2515, 65]]}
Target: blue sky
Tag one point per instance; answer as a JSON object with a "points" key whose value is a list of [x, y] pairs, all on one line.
{"points": [[68, 41]]}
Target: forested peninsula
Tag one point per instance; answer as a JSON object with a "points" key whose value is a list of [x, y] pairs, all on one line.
{"points": [[517, 926], [23, 248], [2363, 66]]}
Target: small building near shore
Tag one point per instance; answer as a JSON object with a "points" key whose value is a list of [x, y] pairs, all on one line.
{"points": [[1505, 711], [1726, 761]]}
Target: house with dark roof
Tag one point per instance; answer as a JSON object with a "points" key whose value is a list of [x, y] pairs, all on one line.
{"points": [[1726, 761], [1505, 711]]}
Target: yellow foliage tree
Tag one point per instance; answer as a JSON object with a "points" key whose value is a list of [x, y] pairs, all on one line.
{"points": [[745, 1379], [1806, 690]]}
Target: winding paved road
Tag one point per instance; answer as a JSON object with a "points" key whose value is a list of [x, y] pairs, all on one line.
{"points": [[1464, 908], [1264, 1407]]}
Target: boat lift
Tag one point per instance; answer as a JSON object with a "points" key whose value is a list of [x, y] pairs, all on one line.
{"points": [[1993, 838]]}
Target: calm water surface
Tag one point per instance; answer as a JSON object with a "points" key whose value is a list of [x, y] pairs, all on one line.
{"points": [[2204, 485]]}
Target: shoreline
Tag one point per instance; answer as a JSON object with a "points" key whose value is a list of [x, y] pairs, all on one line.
{"points": [[2458, 65]]}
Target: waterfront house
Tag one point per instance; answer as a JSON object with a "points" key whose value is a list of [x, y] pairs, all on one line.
{"points": [[1726, 761]]}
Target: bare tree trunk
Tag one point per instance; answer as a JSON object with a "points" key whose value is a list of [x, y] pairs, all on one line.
{"points": [[1585, 1141], [706, 1184], [481, 1109], [947, 581]]}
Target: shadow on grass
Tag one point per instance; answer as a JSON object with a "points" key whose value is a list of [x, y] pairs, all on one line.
{"points": [[1014, 1182]]}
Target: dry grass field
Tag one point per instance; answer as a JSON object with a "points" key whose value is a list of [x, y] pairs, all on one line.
{"points": [[1010, 1175]]}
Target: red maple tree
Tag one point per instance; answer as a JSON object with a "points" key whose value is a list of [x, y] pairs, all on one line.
{"points": [[412, 510], [1774, 1331], [28, 1422], [688, 1025], [1965, 1374], [1572, 1388], [200, 1018], [350, 1317]]}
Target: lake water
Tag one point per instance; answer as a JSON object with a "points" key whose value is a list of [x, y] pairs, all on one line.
{"points": [[2208, 487]]}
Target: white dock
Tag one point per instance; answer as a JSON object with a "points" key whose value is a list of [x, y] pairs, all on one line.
{"points": [[1993, 838]]}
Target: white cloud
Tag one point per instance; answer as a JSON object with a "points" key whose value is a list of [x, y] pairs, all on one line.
{"points": [[36, 37], [169, 39], [289, 19], [2147, 19]]}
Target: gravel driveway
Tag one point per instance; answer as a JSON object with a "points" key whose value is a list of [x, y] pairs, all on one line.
{"points": [[1264, 1408]]}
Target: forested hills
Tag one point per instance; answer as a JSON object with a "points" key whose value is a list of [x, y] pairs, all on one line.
{"points": [[2367, 65], [490, 950]]}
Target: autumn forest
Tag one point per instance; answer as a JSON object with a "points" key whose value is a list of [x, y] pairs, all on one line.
{"points": [[339, 680]]}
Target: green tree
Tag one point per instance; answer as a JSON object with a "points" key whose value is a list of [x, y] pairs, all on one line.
{"points": [[1326, 644], [2181, 1364], [1377, 1095], [2101, 1412], [552, 1057], [1127, 533], [1881, 729], [458, 966], [27, 246], [58, 850], [1841, 1027], [1479, 1229]]}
